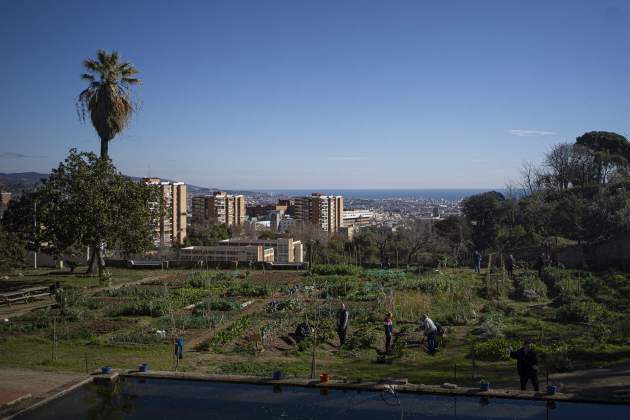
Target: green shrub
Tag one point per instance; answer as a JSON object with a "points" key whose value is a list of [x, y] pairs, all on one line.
{"points": [[139, 292], [248, 290], [384, 275], [228, 334], [216, 304], [362, 338], [153, 308], [291, 305], [529, 281], [491, 326], [494, 350], [579, 311], [188, 295], [194, 322], [562, 282], [335, 269]]}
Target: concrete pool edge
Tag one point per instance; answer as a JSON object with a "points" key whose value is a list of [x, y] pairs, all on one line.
{"points": [[418, 389], [408, 388], [32, 404]]}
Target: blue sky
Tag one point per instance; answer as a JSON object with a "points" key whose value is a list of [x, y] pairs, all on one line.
{"points": [[319, 94]]}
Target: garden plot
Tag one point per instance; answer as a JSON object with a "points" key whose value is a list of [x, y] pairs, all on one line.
{"points": [[576, 319]]}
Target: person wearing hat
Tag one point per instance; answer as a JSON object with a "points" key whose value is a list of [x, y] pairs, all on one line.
{"points": [[526, 364], [389, 331]]}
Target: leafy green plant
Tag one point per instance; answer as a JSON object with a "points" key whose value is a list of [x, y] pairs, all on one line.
{"points": [[335, 270], [248, 290], [228, 334], [491, 326], [216, 304], [494, 350], [579, 311]]}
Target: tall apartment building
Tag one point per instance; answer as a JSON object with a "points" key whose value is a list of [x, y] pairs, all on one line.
{"points": [[171, 229], [218, 208], [5, 198], [325, 211]]}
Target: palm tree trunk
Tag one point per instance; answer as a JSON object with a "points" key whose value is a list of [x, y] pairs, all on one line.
{"points": [[104, 148]]}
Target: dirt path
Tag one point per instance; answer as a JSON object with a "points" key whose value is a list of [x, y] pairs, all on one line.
{"points": [[251, 309], [612, 383]]}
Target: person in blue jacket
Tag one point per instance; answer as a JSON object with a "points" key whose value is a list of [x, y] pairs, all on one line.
{"points": [[389, 331]]}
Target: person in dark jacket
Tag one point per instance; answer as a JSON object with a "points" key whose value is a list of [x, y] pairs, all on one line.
{"points": [[477, 258], [343, 317], [389, 331], [509, 265], [526, 365]]}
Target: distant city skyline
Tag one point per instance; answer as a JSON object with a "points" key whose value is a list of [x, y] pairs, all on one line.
{"points": [[319, 95]]}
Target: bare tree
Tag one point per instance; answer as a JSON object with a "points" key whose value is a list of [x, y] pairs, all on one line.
{"points": [[418, 236]]}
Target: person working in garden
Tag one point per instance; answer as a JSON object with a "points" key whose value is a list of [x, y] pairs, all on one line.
{"points": [[526, 364], [509, 265], [389, 331], [477, 258], [430, 331], [342, 324]]}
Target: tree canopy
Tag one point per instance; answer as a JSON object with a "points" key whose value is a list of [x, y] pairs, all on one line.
{"points": [[87, 202]]}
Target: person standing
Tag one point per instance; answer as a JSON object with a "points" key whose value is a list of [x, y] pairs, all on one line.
{"points": [[389, 331], [540, 265], [477, 258], [430, 331], [509, 265], [526, 365], [343, 316]]}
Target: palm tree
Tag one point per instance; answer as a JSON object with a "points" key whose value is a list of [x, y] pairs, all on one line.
{"points": [[107, 99]]}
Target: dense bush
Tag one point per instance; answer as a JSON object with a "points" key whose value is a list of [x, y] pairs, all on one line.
{"points": [[362, 338], [139, 292], [291, 305], [384, 275], [248, 290], [454, 307], [201, 321], [494, 350], [228, 334], [335, 269], [349, 288], [491, 326], [216, 304], [579, 311], [527, 281], [562, 283], [153, 308]]}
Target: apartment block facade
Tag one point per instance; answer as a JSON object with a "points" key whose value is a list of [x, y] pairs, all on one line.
{"points": [[325, 211], [218, 208], [171, 229], [224, 254], [286, 250]]}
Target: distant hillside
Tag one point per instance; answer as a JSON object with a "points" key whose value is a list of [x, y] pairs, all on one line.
{"points": [[27, 181], [20, 181]]}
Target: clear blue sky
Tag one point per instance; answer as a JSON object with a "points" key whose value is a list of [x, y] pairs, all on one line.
{"points": [[319, 94]]}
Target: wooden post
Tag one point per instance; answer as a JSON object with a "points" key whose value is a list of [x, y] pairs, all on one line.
{"points": [[473, 362], [86, 362]]}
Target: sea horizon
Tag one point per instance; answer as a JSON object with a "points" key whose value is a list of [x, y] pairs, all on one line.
{"points": [[383, 193]]}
